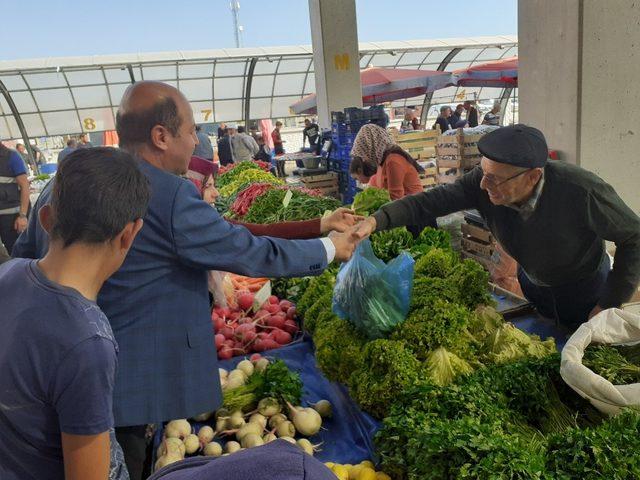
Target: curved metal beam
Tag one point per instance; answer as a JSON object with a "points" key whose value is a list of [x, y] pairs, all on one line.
{"points": [[426, 105], [21, 127], [131, 75], [504, 101], [246, 100]]}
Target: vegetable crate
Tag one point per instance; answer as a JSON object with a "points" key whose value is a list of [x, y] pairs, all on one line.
{"points": [[477, 243], [456, 155], [326, 183], [429, 177], [420, 145]]}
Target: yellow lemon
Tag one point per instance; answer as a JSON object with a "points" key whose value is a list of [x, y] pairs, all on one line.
{"points": [[354, 472], [382, 476], [366, 473], [341, 472], [329, 464], [368, 463]]}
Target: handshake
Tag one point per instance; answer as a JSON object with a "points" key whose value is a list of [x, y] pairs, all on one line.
{"points": [[347, 230]]}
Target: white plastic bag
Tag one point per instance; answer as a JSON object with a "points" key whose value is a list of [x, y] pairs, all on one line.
{"points": [[609, 327], [215, 280]]}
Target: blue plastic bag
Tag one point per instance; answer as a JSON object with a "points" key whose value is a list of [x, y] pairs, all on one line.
{"points": [[371, 295]]}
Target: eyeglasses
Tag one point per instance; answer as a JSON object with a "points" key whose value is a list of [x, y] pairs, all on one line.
{"points": [[494, 182]]}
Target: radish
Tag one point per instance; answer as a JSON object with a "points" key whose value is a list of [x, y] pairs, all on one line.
{"points": [[273, 300], [272, 308], [276, 321], [286, 429], [218, 311], [212, 449], [227, 331], [291, 327], [246, 333], [219, 340], [258, 345], [225, 353], [269, 407], [244, 320], [306, 420], [270, 344], [218, 324], [291, 313], [245, 300], [285, 305], [282, 337], [255, 357]]}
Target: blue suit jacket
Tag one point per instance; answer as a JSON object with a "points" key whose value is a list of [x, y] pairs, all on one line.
{"points": [[158, 303]]}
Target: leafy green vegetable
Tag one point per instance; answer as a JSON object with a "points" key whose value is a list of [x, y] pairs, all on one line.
{"points": [[484, 322], [472, 282], [290, 288], [443, 366], [338, 349], [317, 287], [370, 200], [387, 367], [321, 305], [442, 324], [388, 244], [269, 207], [608, 362], [233, 174], [430, 238], [437, 262], [508, 343]]}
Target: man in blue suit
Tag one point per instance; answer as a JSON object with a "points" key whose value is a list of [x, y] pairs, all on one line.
{"points": [[157, 303]]}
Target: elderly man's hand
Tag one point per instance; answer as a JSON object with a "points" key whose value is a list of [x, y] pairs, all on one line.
{"points": [[340, 220], [364, 228]]}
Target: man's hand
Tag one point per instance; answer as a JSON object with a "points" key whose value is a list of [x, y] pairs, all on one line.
{"points": [[20, 225], [345, 244], [340, 220], [364, 228], [596, 310]]}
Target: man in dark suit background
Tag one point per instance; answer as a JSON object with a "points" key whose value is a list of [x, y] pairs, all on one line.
{"points": [[157, 303]]}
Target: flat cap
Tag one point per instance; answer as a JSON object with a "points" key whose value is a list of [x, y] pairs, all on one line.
{"points": [[518, 145]]}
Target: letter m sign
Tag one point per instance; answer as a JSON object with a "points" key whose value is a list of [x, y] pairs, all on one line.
{"points": [[342, 61]]}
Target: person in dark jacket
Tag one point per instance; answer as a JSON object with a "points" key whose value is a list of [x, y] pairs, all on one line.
{"points": [[225, 153], [311, 132], [204, 149], [456, 120], [552, 217], [159, 296], [472, 113], [14, 196], [443, 119]]}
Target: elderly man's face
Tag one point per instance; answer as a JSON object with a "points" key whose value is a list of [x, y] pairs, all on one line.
{"points": [[506, 184]]}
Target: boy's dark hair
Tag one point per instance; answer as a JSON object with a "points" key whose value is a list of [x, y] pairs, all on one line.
{"points": [[134, 127], [96, 193], [241, 129]]}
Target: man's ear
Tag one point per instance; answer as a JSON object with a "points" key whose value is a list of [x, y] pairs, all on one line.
{"points": [[160, 137], [46, 217], [128, 234]]}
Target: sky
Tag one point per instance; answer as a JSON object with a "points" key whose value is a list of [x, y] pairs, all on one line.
{"points": [[46, 28]]}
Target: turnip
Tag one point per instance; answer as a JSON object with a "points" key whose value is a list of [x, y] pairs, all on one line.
{"points": [[305, 445], [269, 407], [286, 429], [306, 420], [269, 437], [245, 365], [248, 428], [324, 408], [235, 421], [169, 445], [273, 300], [289, 439], [203, 417], [277, 419], [238, 373], [282, 337], [221, 424], [245, 300], [191, 444], [206, 434], [232, 447], [212, 449], [167, 459], [252, 440], [262, 364], [223, 373], [259, 419], [234, 382], [178, 429]]}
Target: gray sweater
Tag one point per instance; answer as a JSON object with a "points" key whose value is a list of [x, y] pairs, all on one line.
{"points": [[561, 242]]}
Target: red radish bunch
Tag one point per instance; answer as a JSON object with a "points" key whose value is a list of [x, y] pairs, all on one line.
{"points": [[239, 331]]}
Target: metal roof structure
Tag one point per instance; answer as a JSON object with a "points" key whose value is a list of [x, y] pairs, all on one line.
{"points": [[71, 95]]}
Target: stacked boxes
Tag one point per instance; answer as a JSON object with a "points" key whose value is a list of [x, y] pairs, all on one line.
{"points": [[456, 155]]}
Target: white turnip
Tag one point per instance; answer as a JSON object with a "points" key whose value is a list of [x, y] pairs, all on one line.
{"points": [[306, 420], [169, 445], [235, 421], [252, 440], [277, 419], [206, 434], [291, 440], [269, 437], [232, 447], [262, 364], [178, 429], [245, 365], [305, 445], [249, 428], [212, 449], [167, 459], [259, 419], [269, 407], [286, 429], [234, 382], [191, 444], [324, 408]]}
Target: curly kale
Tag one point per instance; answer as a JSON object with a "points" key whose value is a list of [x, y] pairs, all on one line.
{"points": [[387, 367]]}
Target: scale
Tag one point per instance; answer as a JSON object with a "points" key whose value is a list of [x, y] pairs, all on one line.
{"points": [[322, 168]]}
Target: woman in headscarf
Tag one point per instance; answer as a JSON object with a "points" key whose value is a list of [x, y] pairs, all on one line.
{"points": [[374, 152]]}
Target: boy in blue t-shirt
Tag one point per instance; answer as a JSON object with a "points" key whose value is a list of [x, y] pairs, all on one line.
{"points": [[57, 351]]}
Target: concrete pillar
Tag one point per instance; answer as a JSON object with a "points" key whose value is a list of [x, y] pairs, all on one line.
{"points": [[578, 62], [336, 59]]}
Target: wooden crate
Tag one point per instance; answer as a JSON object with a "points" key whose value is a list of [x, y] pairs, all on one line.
{"points": [[472, 231], [476, 247], [327, 183], [419, 144]]}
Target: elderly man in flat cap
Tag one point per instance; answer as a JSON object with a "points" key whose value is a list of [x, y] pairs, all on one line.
{"points": [[552, 217]]}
